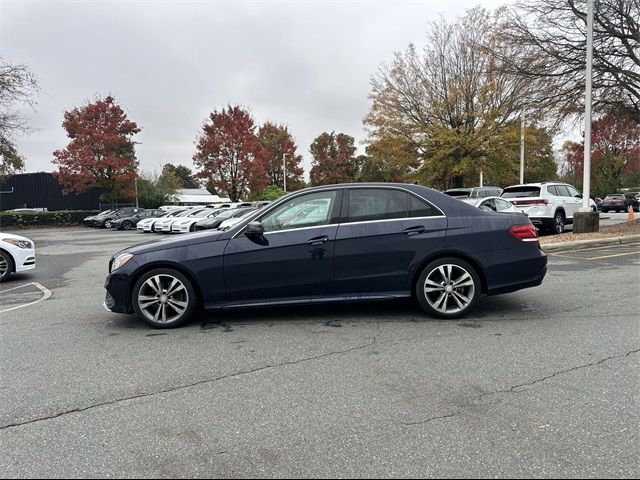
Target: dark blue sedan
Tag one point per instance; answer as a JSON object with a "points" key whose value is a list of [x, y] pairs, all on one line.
{"points": [[333, 243]]}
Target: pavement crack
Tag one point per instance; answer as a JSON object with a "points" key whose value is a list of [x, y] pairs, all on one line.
{"points": [[514, 388], [411, 424], [190, 385]]}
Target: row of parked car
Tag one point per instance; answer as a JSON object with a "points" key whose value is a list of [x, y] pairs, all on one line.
{"points": [[549, 205], [173, 219]]}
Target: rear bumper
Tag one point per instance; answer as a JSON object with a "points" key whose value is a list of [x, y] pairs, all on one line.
{"points": [[518, 274]]}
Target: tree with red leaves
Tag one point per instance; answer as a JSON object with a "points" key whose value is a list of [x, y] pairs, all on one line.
{"points": [[333, 159], [615, 153], [278, 144], [101, 152], [229, 154]]}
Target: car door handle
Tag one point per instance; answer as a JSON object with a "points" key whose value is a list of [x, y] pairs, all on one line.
{"points": [[315, 241], [414, 230]]}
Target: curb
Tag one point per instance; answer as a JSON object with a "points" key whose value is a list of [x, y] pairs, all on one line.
{"points": [[579, 244]]}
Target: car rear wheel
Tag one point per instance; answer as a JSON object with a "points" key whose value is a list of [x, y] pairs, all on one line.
{"points": [[558, 222], [6, 266], [164, 298], [448, 288], [127, 225]]}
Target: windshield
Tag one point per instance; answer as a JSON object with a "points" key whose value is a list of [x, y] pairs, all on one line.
{"points": [[519, 192], [458, 193]]}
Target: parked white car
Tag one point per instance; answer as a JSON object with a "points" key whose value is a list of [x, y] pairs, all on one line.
{"points": [[148, 224], [493, 204], [549, 205], [164, 224], [17, 254], [188, 223]]}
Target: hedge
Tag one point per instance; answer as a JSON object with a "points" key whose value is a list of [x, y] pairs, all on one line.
{"points": [[61, 218]]}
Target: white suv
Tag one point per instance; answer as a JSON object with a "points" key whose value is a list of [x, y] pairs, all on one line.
{"points": [[550, 205]]}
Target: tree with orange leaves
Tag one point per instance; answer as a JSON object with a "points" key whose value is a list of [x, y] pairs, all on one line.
{"points": [[101, 152]]}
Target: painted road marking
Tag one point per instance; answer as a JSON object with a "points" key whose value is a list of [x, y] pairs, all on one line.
{"points": [[47, 293]]}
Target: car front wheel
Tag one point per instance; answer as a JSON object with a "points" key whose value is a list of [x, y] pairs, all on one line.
{"points": [[448, 288], [6, 266], [164, 298], [127, 225]]}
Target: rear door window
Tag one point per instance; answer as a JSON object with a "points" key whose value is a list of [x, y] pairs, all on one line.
{"points": [[420, 208], [366, 204]]}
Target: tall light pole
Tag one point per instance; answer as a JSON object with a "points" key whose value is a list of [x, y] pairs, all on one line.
{"points": [[586, 178], [284, 170], [522, 146], [136, 184]]}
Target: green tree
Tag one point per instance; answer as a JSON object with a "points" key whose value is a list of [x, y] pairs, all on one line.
{"points": [[183, 174], [11, 162], [270, 193], [157, 190]]}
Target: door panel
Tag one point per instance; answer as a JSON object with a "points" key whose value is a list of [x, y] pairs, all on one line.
{"points": [[291, 263], [378, 256]]}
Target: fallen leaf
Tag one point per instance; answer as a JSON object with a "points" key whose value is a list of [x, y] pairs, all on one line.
{"points": [[356, 414]]}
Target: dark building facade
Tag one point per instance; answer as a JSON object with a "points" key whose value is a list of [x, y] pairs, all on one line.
{"points": [[42, 190]]}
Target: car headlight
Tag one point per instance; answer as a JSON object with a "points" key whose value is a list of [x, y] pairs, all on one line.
{"points": [[120, 260], [18, 243]]}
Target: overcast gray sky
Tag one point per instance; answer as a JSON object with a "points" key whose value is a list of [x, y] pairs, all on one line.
{"points": [[306, 64]]}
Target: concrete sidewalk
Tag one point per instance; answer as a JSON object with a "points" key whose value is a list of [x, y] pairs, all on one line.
{"points": [[578, 244]]}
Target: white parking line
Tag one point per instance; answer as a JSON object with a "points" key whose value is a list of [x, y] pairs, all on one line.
{"points": [[45, 290]]}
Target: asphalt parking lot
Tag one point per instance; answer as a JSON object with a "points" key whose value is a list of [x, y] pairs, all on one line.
{"points": [[539, 383]]}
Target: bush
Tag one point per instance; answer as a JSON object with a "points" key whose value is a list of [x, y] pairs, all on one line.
{"points": [[62, 218]]}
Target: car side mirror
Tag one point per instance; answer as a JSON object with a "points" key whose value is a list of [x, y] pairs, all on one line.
{"points": [[254, 228], [579, 195]]}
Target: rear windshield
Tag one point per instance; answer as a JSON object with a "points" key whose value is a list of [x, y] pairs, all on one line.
{"points": [[614, 196], [519, 192], [458, 193]]}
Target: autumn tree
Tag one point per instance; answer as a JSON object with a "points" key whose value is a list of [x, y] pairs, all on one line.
{"points": [[278, 145], [544, 41], [615, 153], [333, 159], [101, 152], [445, 109], [183, 175], [388, 159], [229, 155], [18, 86]]}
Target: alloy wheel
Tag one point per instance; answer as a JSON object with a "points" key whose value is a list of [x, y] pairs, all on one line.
{"points": [[449, 289], [163, 299], [558, 223]]}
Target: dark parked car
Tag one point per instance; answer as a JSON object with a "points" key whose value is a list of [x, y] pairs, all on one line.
{"points": [[104, 220], [617, 202], [88, 220], [129, 222], [373, 242]]}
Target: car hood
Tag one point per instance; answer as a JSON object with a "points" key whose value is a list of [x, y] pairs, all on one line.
{"points": [[14, 237], [157, 245]]}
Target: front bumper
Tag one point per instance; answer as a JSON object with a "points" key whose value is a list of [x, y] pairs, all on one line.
{"points": [[24, 259], [118, 285]]}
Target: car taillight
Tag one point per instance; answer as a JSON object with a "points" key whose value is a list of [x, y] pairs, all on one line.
{"points": [[537, 201], [526, 233]]}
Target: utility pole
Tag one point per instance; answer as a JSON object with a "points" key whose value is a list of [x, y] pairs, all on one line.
{"points": [[586, 179], [136, 184], [284, 171], [522, 146]]}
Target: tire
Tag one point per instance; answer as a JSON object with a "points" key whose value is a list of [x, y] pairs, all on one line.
{"points": [[127, 225], [106, 224], [6, 266], [159, 310], [436, 289], [605, 210], [192, 228], [558, 222]]}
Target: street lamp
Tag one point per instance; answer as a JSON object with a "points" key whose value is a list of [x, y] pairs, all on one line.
{"points": [[284, 170]]}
